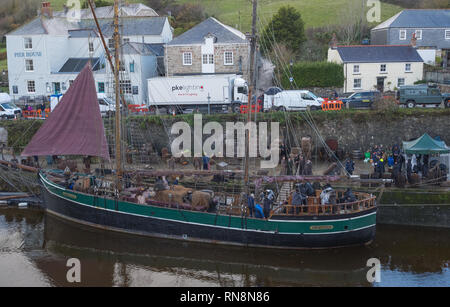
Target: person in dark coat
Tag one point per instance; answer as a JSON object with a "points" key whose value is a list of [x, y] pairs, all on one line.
{"points": [[290, 166], [43, 110], [409, 170], [251, 204], [308, 168], [267, 204], [350, 166]]}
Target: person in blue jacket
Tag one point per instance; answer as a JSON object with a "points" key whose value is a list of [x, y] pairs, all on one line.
{"points": [[259, 213]]}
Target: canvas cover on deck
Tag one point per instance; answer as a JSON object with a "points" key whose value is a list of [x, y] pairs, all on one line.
{"points": [[75, 126], [425, 145]]}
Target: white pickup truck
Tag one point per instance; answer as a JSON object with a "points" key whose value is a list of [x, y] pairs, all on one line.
{"points": [[292, 100]]}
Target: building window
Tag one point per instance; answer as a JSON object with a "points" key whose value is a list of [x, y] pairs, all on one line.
{"points": [[228, 58], [15, 89], [29, 66], [447, 34], [383, 68], [101, 87], [356, 83], [135, 90], [208, 59], [125, 86], [121, 66], [356, 69], [400, 82], [418, 34], [31, 87], [408, 67], [126, 40], [187, 58], [28, 43], [132, 67], [70, 83], [111, 43], [402, 35], [91, 46]]}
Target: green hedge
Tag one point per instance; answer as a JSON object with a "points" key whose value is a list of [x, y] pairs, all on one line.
{"points": [[315, 74]]}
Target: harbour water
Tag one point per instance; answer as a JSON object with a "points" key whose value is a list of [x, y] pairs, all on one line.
{"points": [[35, 248]]}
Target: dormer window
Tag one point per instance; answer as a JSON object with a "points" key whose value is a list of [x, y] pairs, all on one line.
{"points": [[402, 35], [418, 34]]}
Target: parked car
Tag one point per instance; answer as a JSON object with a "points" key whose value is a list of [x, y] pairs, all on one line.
{"points": [[422, 95], [362, 100]]}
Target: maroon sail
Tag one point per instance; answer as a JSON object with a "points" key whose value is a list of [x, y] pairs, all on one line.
{"points": [[75, 127]]}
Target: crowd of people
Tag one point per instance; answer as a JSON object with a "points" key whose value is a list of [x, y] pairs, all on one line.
{"points": [[294, 164]]}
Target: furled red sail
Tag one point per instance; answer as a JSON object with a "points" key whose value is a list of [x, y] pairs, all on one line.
{"points": [[75, 127]]}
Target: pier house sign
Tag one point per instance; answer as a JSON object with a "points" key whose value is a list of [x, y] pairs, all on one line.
{"points": [[27, 54]]}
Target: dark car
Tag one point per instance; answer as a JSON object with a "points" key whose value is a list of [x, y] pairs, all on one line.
{"points": [[362, 100]]}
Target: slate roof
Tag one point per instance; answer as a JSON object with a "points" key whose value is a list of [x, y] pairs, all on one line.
{"points": [[378, 54], [143, 49], [75, 65], [418, 19], [224, 34], [133, 10], [137, 21]]}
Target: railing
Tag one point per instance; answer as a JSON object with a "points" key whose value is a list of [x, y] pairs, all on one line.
{"points": [[331, 105], [35, 113], [364, 202]]}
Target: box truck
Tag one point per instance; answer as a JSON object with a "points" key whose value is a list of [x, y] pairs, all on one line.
{"points": [[186, 94]]}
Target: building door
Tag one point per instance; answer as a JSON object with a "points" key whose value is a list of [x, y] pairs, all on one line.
{"points": [[208, 63], [56, 88], [380, 84]]}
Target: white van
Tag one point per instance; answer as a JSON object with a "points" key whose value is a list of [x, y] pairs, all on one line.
{"points": [[7, 108], [293, 100], [107, 106]]}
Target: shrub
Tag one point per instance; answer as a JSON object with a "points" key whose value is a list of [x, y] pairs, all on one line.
{"points": [[315, 74]]}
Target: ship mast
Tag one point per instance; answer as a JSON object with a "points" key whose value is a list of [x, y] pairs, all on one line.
{"points": [[118, 155], [251, 89], [115, 69]]}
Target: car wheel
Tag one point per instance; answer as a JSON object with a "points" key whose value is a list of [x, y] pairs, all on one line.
{"points": [[410, 104], [282, 109], [236, 108]]}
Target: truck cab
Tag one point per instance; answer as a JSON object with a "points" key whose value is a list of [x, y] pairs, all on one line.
{"points": [[7, 108], [292, 100], [421, 95]]}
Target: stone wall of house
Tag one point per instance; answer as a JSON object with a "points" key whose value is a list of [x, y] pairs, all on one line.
{"points": [[174, 59]]}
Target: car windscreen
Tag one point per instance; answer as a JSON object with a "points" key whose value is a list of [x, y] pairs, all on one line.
{"points": [[6, 106]]}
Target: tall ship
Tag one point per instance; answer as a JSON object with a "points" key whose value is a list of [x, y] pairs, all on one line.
{"points": [[143, 203]]}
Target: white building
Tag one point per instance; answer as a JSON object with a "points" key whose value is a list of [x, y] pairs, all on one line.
{"points": [[382, 68], [45, 55]]}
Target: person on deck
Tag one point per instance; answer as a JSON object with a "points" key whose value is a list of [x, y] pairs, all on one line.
{"points": [[267, 203], [251, 204], [259, 213]]}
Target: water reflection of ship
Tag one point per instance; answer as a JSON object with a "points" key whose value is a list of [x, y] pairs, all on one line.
{"points": [[119, 258]]}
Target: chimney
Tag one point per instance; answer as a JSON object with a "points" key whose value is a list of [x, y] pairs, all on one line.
{"points": [[334, 42], [46, 10], [414, 40]]}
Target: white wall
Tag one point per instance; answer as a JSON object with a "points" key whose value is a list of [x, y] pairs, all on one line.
{"points": [[370, 71], [428, 55]]}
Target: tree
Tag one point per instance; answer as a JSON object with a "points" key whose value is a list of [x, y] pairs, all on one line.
{"points": [[286, 27]]}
